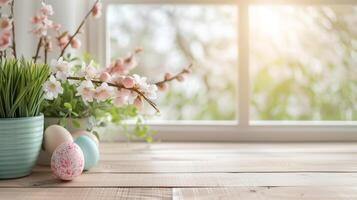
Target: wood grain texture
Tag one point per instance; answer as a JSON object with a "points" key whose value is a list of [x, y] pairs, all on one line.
{"points": [[84, 193], [266, 193], [45, 179], [228, 147], [203, 171]]}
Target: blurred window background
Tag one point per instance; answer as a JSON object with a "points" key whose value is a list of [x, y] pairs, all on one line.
{"points": [[303, 59]]}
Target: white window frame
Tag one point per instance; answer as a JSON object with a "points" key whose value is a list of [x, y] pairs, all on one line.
{"points": [[243, 129]]}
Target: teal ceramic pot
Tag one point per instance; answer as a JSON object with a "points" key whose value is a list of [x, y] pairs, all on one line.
{"points": [[20, 144]]}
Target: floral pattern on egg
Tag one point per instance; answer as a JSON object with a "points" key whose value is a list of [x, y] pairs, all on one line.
{"points": [[67, 161]]}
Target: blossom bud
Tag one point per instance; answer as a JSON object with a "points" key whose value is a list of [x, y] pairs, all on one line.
{"points": [[187, 70], [97, 10], [5, 23], [138, 50], [128, 82], [168, 76], [76, 43], [138, 103], [4, 2], [162, 87], [180, 78]]}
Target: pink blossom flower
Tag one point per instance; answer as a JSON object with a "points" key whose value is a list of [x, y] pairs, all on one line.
{"points": [[105, 76], [138, 103], [117, 68], [41, 22], [5, 40], [97, 10], [41, 27], [52, 88], [103, 92], [46, 9], [4, 2], [128, 82], [86, 91]]}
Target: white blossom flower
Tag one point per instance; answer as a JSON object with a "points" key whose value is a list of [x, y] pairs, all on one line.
{"points": [[123, 97], [103, 92], [52, 88], [150, 90], [120, 101], [61, 68], [86, 91], [46, 9], [89, 71]]}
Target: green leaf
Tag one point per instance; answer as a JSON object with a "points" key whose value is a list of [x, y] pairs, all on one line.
{"points": [[76, 123], [68, 106]]}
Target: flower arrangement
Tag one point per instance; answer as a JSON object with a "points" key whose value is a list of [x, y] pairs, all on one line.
{"points": [[78, 88], [73, 87]]}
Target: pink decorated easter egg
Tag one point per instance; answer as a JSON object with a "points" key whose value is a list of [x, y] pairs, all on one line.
{"points": [[67, 161]]}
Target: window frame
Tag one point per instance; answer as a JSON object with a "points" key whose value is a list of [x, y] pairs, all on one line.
{"points": [[242, 129]]}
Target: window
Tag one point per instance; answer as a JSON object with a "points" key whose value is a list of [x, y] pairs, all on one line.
{"points": [[265, 70], [173, 36], [303, 62]]}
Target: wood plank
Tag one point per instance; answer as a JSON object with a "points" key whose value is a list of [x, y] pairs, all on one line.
{"points": [[125, 148], [84, 193], [241, 162], [197, 156], [45, 179], [267, 193], [258, 165]]}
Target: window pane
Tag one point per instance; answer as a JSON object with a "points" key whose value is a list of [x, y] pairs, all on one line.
{"points": [[303, 62], [174, 36]]}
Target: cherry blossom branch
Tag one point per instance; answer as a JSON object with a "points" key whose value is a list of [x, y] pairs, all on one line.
{"points": [[178, 76], [13, 28], [134, 89], [78, 29], [38, 49], [45, 53]]}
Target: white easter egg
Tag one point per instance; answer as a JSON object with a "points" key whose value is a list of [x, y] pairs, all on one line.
{"points": [[79, 133], [54, 136], [67, 161]]}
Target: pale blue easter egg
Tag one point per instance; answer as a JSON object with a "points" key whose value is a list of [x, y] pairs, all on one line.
{"points": [[90, 151]]}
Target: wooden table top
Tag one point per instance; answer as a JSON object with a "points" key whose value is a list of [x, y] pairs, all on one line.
{"points": [[289, 171]]}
